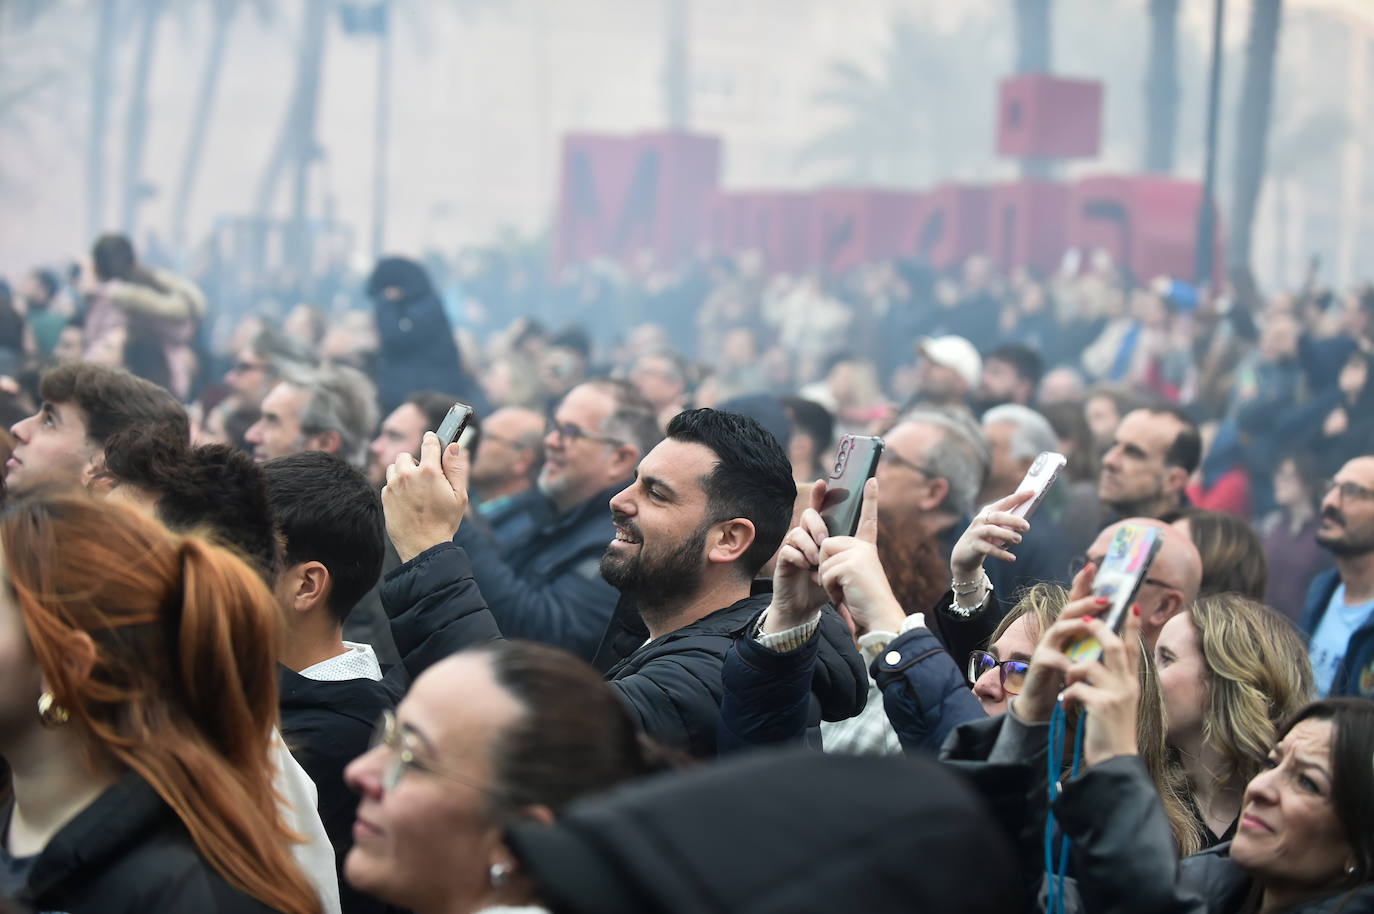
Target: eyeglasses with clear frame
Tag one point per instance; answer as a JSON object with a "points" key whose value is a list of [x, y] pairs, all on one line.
{"points": [[1350, 491], [398, 741], [1011, 672], [568, 432]]}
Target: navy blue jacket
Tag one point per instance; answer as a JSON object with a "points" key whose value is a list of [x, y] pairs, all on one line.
{"points": [[1355, 675], [549, 587], [925, 695], [416, 350]]}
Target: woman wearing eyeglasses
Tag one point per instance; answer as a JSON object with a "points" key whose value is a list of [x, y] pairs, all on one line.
{"points": [[139, 682], [497, 734], [996, 682]]}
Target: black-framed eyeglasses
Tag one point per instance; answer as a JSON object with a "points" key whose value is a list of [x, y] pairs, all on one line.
{"points": [[1011, 672], [1350, 491], [1078, 561], [389, 733], [893, 457], [567, 431]]}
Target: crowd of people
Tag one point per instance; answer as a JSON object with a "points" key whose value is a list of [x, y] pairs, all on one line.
{"points": [[272, 645]]}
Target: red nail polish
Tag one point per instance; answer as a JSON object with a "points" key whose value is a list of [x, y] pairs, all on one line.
{"points": [[1101, 601], [1135, 610]]}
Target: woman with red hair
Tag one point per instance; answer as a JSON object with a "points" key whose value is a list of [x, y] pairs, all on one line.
{"points": [[137, 697]]}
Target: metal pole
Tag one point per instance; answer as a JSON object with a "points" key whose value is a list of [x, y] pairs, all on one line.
{"points": [[1207, 213], [383, 121]]}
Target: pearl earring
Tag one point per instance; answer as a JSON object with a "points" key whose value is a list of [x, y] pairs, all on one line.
{"points": [[498, 875]]}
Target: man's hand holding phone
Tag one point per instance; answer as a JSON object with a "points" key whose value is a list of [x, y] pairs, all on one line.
{"points": [[990, 532], [424, 501], [853, 575], [797, 593]]}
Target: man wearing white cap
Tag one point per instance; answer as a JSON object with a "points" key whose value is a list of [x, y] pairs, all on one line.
{"points": [[949, 368]]}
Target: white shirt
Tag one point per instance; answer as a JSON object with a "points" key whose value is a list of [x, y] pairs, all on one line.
{"points": [[297, 800], [359, 661]]}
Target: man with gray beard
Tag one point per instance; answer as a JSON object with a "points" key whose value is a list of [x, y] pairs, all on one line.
{"points": [[548, 586]]}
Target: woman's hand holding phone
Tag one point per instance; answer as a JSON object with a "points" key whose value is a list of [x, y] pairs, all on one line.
{"points": [[988, 534]]}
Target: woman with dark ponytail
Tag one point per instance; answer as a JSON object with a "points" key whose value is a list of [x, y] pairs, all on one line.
{"points": [[137, 697], [508, 732], [144, 320]]}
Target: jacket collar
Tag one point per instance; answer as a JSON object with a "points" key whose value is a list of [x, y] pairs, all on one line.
{"points": [[118, 819]]}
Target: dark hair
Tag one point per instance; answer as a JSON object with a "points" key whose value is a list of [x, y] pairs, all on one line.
{"points": [[1352, 779], [435, 407], [1233, 559], [1025, 361], [212, 489], [112, 400], [48, 280], [113, 258], [752, 477], [576, 736], [812, 419], [237, 422], [328, 512], [1186, 449], [1069, 423]]}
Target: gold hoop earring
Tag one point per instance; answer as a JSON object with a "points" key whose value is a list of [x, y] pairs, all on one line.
{"points": [[50, 713]]}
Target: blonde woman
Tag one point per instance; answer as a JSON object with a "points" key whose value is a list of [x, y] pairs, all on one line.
{"points": [[1230, 670]]}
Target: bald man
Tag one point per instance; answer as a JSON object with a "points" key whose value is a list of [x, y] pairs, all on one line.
{"points": [[1175, 575]]}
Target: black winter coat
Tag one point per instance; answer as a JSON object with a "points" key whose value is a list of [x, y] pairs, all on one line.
{"points": [[672, 685], [328, 724], [128, 853]]}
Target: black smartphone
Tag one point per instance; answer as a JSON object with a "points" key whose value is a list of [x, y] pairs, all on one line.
{"points": [[454, 423], [856, 461]]}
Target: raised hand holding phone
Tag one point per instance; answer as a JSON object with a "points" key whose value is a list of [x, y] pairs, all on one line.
{"points": [[1127, 563], [423, 501], [797, 593], [856, 462], [853, 575]]}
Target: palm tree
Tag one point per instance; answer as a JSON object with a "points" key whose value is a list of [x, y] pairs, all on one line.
{"points": [[676, 71], [136, 119], [1032, 36], [1252, 129], [102, 64], [1161, 87], [223, 13], [1301, 149], [912, 123]]}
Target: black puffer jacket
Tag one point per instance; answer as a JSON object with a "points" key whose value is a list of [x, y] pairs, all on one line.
{"points": [[128, 853], [673, 684]]}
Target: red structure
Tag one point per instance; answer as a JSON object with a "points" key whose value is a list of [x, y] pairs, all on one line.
{"points": [[1028, 224], [621, 195], [1048, 117], [1147, 223]]}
